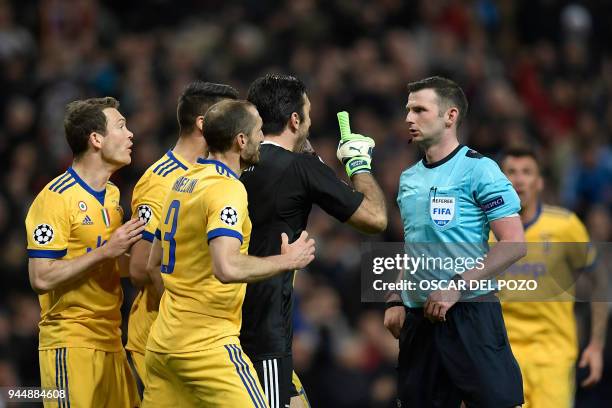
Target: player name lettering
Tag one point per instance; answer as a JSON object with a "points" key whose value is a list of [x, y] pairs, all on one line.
{"points": [[184, 185]]}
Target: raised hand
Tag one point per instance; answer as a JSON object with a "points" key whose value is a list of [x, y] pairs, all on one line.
{"points": [[354, 150]]}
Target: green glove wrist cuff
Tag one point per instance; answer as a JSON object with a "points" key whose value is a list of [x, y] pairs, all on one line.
{"points": [[358, 164]]}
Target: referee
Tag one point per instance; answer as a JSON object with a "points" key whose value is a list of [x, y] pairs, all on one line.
{"points": [[282, 189], [452, 352]]}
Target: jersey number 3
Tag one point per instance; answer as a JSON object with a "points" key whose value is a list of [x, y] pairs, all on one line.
{"points": [[168, 237]]}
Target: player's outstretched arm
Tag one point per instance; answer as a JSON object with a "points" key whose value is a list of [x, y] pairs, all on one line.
{"points": [[355, 152], [48, 274], [230, 266]]}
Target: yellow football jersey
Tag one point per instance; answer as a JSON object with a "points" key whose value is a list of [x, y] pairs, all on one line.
{"points": [[546, 330], [147, 200], [198, 312], [66, 220]]}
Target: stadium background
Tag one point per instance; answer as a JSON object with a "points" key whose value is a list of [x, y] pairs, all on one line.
{"points": [[537, 72]]}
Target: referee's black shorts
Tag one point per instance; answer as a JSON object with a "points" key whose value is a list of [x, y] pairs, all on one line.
{"points": [[467, 358]]}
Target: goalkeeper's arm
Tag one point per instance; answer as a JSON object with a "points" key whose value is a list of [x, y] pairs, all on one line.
{"points": [[355, 152]]}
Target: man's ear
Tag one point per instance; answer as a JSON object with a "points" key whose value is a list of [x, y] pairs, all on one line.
{"points": [[242, 140], [540, 185], [95, 139], [451, 117], [294, 122], [199, 123]]}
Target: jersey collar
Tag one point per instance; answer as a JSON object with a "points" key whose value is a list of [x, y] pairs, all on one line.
{"points": [[218, 163], [444, 160], [269, 142], [176, 157], [98, 195], [535, 217]]}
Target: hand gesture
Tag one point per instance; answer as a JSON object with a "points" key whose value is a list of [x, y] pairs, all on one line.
{"points": [[123, 238], [300, 253]]}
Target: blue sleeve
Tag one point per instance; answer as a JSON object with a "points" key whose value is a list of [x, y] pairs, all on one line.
{"points": [[493, 192]]}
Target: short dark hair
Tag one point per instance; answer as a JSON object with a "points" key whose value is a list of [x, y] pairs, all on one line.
{"points": [[197, 98], [276, 98], [447, 90], [224, 120], [82, 118], [519, 151]]}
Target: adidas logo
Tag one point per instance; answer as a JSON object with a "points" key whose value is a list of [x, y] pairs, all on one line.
{"points": [[87, 220]]}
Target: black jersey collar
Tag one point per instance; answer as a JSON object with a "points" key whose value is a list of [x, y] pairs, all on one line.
{"points": [[444, 160]]}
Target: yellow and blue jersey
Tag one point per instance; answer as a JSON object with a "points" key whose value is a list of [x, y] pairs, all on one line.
{"points": [[147, 200], [546, 330], [66, 220], [198, 312]]}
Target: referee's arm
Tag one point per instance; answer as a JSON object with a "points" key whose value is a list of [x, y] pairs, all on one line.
{"points": [[509, 249], [371, 215]]}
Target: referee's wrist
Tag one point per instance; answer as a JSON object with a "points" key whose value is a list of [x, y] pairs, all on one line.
{"points": [[461, 284]]}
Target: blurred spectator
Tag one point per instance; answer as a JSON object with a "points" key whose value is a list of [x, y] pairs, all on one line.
{"points": [[537, 72]]}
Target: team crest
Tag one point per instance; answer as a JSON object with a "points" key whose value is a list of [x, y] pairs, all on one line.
{"points": [[43, 234], [145, 213], [82, 206], [442, 210], [229, 216]]}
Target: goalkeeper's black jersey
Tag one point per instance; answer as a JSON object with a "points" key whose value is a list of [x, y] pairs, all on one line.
{"points": [[281, 190]]}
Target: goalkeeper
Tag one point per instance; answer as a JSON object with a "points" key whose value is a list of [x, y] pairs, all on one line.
{"points": [[282, 189]]}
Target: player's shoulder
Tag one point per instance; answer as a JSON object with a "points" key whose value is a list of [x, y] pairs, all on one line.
{"points": [[111, 187], [559, 216], [161, 173], [60, 186], [213, 174], [278, 158], [166, 166], [562, 220], [554, 211], [55, 196], [229, 182], [302, 162]]}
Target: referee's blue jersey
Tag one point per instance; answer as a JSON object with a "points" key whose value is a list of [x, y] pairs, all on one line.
{"points": [[451, 202]]}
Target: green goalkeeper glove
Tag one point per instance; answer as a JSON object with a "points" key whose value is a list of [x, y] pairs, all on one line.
{"points": [[354, 151]]}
